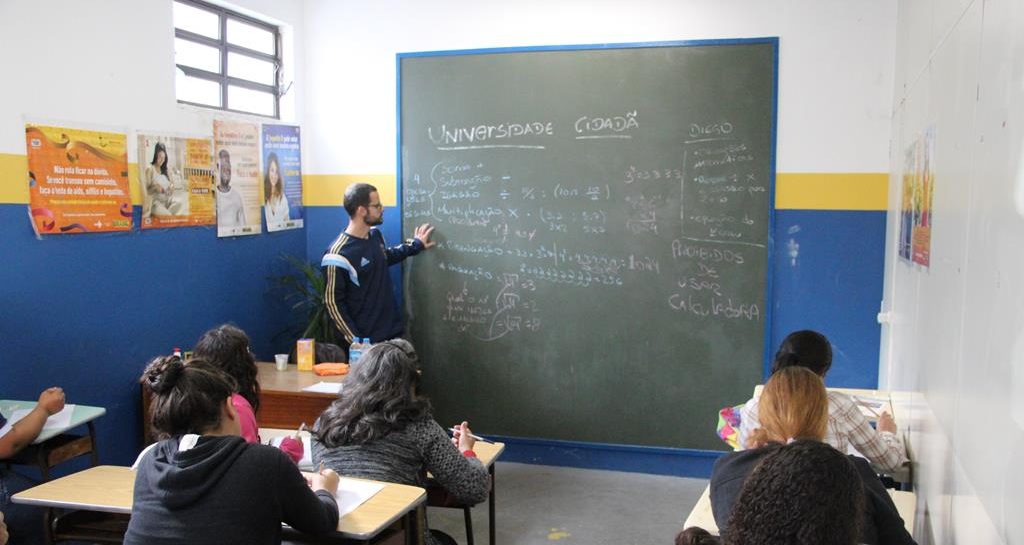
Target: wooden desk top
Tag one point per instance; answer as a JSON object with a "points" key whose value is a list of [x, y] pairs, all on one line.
{"points": [[81, 415], [702, 516], [291, 381], [109, 489]]}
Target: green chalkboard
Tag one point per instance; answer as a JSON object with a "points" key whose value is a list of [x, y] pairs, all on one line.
{"points": [[604, 221]]}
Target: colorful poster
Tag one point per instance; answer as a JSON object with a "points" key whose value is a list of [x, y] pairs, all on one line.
{"points": [[282, 177], [924, 189], [78, 180], [907, 201], [237, 148], [176, 178]]}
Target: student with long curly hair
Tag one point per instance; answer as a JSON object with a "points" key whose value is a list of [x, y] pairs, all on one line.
{"points": [[381, 429], [794, 406], [203, 484]]}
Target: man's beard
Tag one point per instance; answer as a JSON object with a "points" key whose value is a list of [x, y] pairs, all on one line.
{"points": [[376, 222]]}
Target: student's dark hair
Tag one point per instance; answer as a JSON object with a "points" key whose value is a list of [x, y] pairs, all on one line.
{"points": [[269, 191], [357, 195], [804, 348], [156, 151], [379, 397], [227, 347], [695, 535], [802, 493], [186, 397]]}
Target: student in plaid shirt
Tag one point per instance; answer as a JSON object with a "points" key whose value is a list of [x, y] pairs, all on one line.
{"points": [[847, 426]]}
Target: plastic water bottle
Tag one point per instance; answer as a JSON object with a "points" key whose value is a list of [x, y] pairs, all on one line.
{"points": [[355, 351]]}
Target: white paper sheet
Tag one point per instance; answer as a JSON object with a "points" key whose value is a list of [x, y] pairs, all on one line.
{"points": [[324, 388], [59, 421], [352, 494]]}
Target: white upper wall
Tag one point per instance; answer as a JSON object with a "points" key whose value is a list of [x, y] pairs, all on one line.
{"points": [[835, 69], [110, 63], [957, 335]]}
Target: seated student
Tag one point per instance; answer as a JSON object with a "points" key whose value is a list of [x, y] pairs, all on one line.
{"points": [[794, 405], [227, 347], [203, 484], [24, 431], [846, 424], [379, 428], [801, 493]]}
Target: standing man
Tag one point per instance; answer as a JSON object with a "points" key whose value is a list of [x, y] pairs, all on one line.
{"points": [[358, 290], [230, 208]]}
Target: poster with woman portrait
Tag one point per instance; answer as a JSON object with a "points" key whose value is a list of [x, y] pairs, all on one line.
{"points": [[236, 147], [282, 177], [176, 181]]}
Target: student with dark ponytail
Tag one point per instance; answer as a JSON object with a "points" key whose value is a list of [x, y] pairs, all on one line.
{"points": [[846, 424], [203, 484]]}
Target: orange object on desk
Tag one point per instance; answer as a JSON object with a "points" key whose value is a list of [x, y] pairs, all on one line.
{"points": [[327, 369]]}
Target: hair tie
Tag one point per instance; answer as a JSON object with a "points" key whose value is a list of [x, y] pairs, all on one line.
{"points": [[790, 440]]}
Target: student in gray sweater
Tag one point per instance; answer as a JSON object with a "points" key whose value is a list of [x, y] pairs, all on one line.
{"points": [[203, 484], [380, 429]]}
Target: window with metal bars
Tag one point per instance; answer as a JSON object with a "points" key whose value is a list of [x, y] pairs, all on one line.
{"points": [[226, 60]]}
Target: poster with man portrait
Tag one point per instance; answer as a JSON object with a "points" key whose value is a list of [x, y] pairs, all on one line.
{"points": [[236, 148], [282, 177], [176, 181]]}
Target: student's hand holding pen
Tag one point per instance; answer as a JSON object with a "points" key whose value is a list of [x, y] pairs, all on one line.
{"points": [[462, 438], [325, 479]]}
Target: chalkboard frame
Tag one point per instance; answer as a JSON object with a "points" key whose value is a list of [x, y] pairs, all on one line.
{"points": [[773, 42]]}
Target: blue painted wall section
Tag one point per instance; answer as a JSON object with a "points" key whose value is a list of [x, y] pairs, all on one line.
{"points": [[828, 277], [87, 312]]}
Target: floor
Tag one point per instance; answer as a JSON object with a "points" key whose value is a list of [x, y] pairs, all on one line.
{"points": [[535, 505]]}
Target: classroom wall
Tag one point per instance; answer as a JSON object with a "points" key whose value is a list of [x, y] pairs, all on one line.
{"points": [[87, 311], [956, 336], [835, 95]]}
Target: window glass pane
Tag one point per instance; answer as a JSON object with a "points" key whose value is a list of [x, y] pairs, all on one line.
{"points": [[249, 36], [241, 66], [247, 100], [200, 91], [196, 20], [196, 55]]}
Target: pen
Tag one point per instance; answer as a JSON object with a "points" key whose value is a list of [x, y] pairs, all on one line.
{"points": [[474, 436], [302, 428]]}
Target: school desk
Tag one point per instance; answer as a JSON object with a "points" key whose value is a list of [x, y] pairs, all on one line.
{"points": [[283, 404], [702, 516], [437, 496], [108, 489], [53, 445]]}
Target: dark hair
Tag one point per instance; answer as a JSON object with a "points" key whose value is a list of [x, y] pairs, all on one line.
{"points": [[804, 348], [357, 195], [227, 347], [156, 151], [695, 535], [269, 190], [187, 398], [802, 493], [379, 397]]}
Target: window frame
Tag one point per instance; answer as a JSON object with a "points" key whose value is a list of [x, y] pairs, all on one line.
{"points": [[224, 47]]}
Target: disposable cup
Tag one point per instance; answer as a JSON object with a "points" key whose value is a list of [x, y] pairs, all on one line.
{"points": [[281, 362]]}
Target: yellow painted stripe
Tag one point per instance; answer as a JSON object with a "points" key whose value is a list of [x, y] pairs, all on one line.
{"points": [[793, 191], [329, 189], [14, 180], [832, 191]]}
